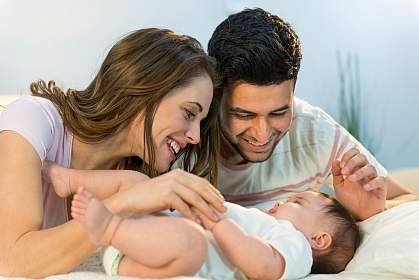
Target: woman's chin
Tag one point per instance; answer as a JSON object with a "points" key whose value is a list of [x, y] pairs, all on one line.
{"points": [[163, 167]]}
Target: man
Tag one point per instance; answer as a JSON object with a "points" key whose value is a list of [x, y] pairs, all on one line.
{"points": [[274, 144]]}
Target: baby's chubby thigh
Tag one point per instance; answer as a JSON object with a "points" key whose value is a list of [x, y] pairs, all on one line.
{"points": [[190, 246], [173, 245], [192, 242]]}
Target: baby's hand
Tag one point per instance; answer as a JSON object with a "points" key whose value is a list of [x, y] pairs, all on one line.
{"points": [[207, 223]]}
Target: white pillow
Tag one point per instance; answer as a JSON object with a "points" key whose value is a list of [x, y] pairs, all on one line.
{"points": [[390, 244], [389, 249]]}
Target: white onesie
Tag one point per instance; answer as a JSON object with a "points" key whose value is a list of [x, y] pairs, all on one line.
{"points": [[280, 234]]}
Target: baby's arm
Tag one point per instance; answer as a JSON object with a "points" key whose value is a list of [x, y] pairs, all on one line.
{"points": [[256, 258], [102, 183]]}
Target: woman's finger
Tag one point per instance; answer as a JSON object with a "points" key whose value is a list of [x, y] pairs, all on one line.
{"points": [[203, 188], [194, 199], [199, 181], [182, 207]]}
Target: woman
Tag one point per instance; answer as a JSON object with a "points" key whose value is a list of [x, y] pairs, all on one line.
{"points": [[148, 105]]}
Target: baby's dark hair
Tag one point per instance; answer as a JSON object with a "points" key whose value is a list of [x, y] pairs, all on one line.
{"points": [[256, 47], [346, 237]]}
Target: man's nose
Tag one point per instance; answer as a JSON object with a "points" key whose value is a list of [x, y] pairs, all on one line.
{"points": [[261, 129]]}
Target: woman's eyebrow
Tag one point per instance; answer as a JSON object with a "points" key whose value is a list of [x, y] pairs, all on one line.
{"points": [[197, 104]]}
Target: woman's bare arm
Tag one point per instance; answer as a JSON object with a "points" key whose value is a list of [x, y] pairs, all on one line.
{"points": [[25, 249]]}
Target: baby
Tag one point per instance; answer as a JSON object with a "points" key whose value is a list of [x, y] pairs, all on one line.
{"points": [[310, 232]]}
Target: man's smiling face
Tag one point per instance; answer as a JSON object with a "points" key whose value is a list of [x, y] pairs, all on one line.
{"points": [[254, 118]]}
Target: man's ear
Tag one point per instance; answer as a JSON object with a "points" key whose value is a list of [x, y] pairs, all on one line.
{"points": [[321, 241]]}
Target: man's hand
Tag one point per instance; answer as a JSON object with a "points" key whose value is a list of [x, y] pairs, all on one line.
{"points": [[357, 185]]}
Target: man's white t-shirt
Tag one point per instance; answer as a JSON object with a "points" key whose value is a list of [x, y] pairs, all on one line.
{"points": [[301, 160]]}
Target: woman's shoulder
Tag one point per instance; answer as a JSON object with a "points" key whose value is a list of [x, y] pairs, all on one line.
{"points": [[30, 101], [36, 119], [29, 106]]}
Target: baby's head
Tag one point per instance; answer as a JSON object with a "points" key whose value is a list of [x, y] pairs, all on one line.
{"points": [[327, 225]]}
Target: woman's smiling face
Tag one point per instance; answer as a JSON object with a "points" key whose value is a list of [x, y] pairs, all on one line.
{"points": [[177, 121]]}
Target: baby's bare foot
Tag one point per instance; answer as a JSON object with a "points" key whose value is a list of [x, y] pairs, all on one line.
{"points": [[58, 176], [99, 223]]}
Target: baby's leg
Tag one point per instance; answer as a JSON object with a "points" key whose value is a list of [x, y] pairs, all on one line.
{"points": [[101, 183], [161, 247], [153, 247], [58, 176]]}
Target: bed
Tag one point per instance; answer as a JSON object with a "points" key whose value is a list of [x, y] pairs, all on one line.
{"points": [[389, 250]]}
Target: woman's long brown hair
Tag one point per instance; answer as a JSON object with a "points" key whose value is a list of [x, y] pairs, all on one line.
{"points": [[135, 76]]}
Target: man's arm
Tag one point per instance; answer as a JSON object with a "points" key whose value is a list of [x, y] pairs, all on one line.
{"points": [[397, 193]]}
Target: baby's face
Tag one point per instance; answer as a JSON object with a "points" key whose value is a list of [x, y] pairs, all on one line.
{"points": [[304, 210]]}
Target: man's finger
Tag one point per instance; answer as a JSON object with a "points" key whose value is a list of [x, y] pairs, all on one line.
{"points": [[337, 175], [376, 183], [347, 156], [354, 164], [366, 174]]}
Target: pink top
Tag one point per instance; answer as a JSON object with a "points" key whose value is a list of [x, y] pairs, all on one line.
{"points": [[38, 121]]}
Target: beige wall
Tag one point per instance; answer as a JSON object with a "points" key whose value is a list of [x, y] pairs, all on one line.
{"points": [[7, 98], [384, 33]]}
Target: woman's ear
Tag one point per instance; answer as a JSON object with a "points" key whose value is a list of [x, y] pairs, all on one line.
{"points": [[321, 241]]}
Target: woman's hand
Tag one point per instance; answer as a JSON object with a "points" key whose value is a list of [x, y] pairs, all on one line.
{"points": [[205, 222], [176, 189]]}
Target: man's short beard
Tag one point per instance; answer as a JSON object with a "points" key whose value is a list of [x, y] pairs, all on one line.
{"points": [[237, 148]]}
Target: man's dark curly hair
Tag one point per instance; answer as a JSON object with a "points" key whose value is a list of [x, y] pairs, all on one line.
{"points": [[255, 47]]}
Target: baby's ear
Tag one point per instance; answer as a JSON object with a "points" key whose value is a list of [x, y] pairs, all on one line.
{"points": [[321, 241]]}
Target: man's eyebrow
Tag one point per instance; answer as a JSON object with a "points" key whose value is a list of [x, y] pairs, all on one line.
{"points": [[197, 104], [240, 110], [283, 108]]}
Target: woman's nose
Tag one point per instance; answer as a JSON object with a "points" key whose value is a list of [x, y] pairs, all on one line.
{"points": [[194, 134]]}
